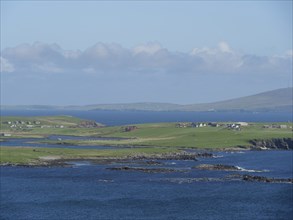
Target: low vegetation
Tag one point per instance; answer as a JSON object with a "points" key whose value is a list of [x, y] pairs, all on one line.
{"points": [[155, 137], [33, 156]]}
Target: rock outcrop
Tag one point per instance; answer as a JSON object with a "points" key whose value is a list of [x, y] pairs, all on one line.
{"points": [[170, 156], [145, 170], [217, 167], [274, 143], [265, 179], [229, 178]]}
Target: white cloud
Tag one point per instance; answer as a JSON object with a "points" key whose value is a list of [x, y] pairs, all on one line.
{"points": [[6, 66], [71, 54], [224, 47], [149, 58], [98, 51], [221, 58], [150, 48], [47, 68]]}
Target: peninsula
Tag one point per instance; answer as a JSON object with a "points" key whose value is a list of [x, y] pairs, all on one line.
{"points": [[156, 140]]}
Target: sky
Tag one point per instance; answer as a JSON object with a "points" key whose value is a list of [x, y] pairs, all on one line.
{"points": [[94, 52]]}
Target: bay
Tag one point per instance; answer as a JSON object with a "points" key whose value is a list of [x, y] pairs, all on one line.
{"points": [[91, 191]]}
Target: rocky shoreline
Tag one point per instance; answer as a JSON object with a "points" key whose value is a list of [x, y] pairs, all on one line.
{"points": [[148, 163], [171, 156], [272, 144], [151, 158]]}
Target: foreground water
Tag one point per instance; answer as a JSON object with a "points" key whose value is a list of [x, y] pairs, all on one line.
{"points": [[91, 191]]}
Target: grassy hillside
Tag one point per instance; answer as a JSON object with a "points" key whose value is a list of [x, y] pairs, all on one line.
{"points": [[40, 126], [272, 100]]}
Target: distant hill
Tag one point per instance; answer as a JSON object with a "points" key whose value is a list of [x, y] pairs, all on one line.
{"points": [[144, 106], [276, 100]]}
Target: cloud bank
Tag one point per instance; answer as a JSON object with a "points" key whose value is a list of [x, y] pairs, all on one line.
{"points": [[150, 58], [109, 73]]}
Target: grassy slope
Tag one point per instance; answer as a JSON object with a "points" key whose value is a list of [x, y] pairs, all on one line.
{"points": [[263, 101], [65, 119], [25, 155], [68, 122]]}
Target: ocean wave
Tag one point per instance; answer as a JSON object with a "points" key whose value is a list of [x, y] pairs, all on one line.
{"points": [[172, 163], [236, 152], [218, 156], [250, 171]]}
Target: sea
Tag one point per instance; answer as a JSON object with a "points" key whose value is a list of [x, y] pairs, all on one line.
{"points": [[88, 190]]}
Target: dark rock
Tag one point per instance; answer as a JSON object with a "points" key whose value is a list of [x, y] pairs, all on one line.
{"points": [[145, 170], [274, 143], [191, 180], [217, 167], [229, 178], [153, 162], [37, 164], [165, 156], [265, 179], [204, 155]]}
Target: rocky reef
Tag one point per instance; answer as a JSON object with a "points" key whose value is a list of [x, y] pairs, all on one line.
{"points": [[265, 179], [170, 156], [217, 167], [228, 178], [145, 170]]}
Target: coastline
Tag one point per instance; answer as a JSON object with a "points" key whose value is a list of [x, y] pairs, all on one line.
{"points": [[157, 163], [183, 154], [54, 140]]}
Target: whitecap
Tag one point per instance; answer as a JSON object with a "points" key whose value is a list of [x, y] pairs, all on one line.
{"points": [[218, 156], [171, 163], [250, 171]]}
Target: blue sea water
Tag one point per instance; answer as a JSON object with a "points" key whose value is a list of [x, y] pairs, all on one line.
{"points": [[91, 191], [136, 117]]}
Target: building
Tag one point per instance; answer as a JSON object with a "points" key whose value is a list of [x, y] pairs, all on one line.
{"points": [[5, 135], [242, 123], [213, 124], [129, 128]]}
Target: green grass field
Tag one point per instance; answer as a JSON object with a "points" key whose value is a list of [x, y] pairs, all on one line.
{"points": [[155, 137], [157, 134], [30, 155]]}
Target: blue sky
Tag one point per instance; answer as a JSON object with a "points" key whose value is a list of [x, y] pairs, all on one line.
{"points": [[76, 52]]}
